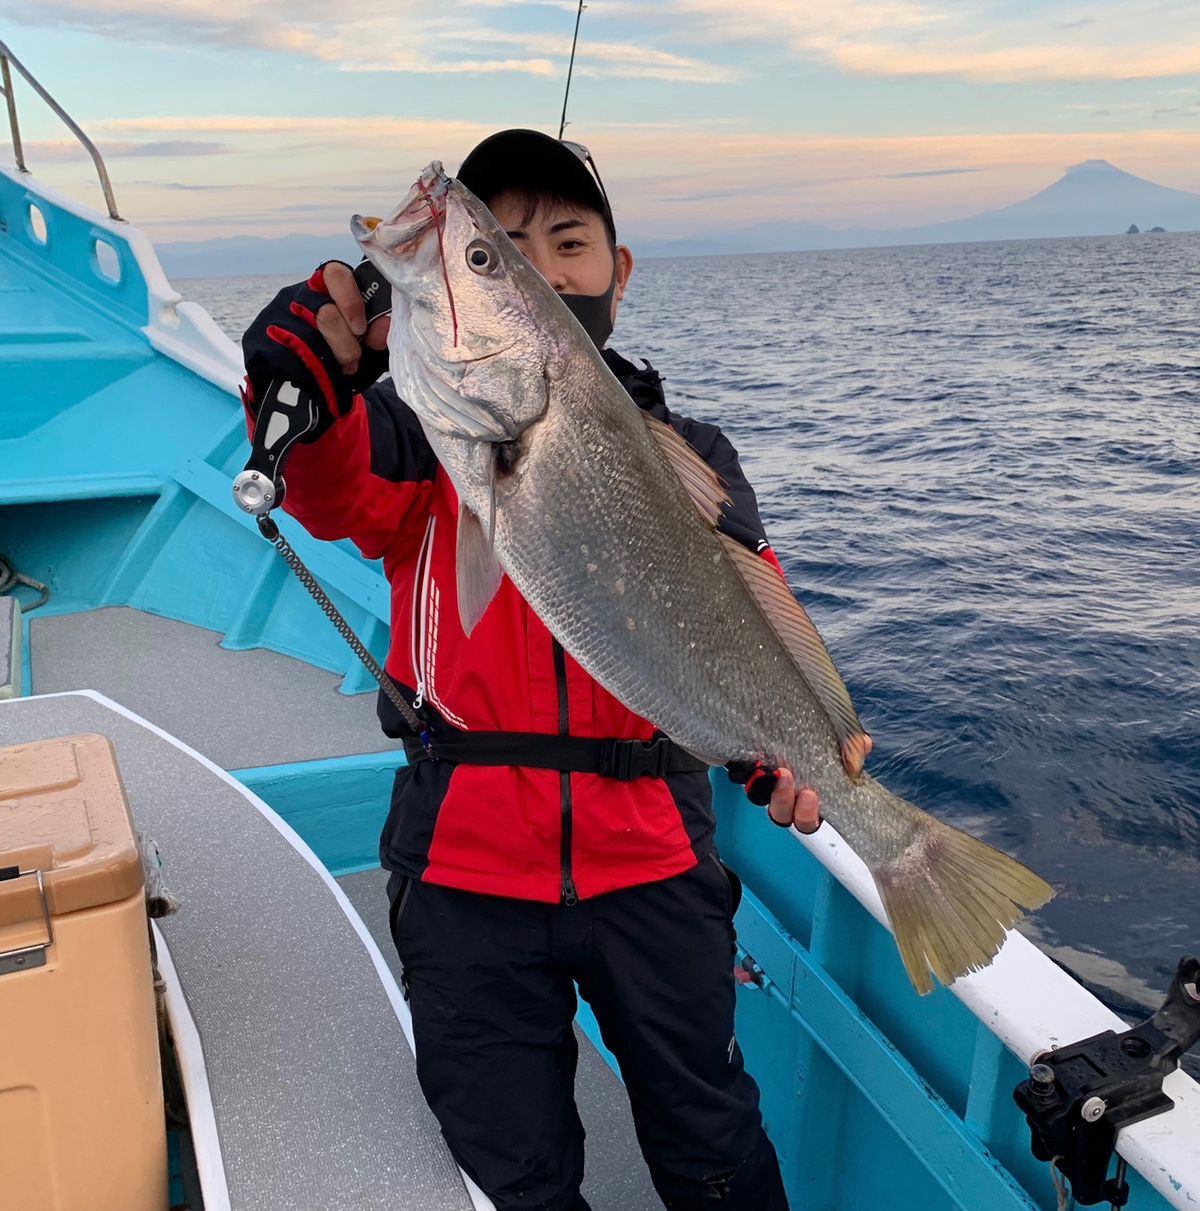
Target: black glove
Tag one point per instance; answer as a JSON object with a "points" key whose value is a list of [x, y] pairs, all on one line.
{"points": [[758, 779], [284, 344]]}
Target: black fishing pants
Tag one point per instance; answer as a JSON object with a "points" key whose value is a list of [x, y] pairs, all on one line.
{"points": [[491, 983]]}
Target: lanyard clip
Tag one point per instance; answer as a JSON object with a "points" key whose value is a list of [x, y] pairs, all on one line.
{"points": [[285, 415]]}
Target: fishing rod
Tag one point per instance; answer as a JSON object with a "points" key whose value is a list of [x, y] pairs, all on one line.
{"points": [[562, 125]]}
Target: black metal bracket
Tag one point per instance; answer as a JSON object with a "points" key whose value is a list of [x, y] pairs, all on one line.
{"points": [[1078, 1097]]}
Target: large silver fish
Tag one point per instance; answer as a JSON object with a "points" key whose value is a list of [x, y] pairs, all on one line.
{"points": [[605, 520]]}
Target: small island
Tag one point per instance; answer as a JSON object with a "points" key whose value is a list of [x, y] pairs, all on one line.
{"points": [[1132, 229]]}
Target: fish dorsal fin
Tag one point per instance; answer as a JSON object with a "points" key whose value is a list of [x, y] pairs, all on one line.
{"points": [[790, 621], [787, 617], [703, 484]]}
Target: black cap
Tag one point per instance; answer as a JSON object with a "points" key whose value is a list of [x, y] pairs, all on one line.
{"points": [[528, 159]]}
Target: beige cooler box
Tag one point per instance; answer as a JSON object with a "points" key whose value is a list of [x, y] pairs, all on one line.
{"points": [[81, 1104]]}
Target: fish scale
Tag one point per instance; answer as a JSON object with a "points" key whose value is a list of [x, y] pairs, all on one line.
{"points": [[566, 487], [700, 659], [621, 564]]}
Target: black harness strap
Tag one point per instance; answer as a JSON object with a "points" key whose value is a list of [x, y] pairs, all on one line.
{"points": [[623, 760]]}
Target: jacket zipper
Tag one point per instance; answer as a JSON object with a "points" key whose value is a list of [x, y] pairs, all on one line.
{"points": [[569, 894]]}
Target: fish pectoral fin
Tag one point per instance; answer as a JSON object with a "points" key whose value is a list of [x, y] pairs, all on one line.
{"points": [[703, 484], [798, 633], [479, 574]]}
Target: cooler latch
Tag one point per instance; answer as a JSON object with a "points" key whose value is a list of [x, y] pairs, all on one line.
{"points": [[27, 957]]}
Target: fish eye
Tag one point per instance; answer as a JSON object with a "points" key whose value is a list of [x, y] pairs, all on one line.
{"points": [[481, 256]]}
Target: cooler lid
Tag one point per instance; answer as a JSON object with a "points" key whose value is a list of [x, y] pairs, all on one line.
{"points": [[63, 811]]}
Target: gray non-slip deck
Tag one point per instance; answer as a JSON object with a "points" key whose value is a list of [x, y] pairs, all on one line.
{"points": [[240, 709], [244, 709], [615, 1177], [312, 1080]]}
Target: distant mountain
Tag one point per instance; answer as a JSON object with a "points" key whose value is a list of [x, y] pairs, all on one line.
{"points": [[248, 255], [1092, 198], [686, 247], [780, 235]]}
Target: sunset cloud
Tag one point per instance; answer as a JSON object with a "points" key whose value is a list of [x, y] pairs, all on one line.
{"points": [[681, 41], [984, 41], [56, 151], [402, 38], [841, 112], [663, 180], [365, 126], [927, 172], [1022, 63]]}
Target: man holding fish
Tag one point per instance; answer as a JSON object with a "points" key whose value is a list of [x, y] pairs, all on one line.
{"points": [[575, 571]]}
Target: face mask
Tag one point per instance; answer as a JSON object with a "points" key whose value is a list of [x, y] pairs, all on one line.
{"points": [[594, 311]]}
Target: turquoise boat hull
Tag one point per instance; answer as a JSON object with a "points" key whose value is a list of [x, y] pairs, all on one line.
{"points": [[120, 434]]}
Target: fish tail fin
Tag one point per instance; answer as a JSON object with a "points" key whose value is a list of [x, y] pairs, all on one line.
{"points": [[951, 900]]}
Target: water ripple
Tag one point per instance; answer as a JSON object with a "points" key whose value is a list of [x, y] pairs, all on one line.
{"points": [[980, 466]]}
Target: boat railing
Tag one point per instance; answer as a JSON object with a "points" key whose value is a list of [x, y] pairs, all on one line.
{"points": [[7, 58]]}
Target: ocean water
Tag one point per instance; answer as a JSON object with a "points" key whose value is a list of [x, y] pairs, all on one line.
{"points": [[980, 468]]}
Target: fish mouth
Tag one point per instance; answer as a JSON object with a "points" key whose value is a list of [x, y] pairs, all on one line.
{"points": [[402, 231]]}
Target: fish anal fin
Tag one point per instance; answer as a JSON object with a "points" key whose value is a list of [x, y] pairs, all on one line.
{"points": [[479, 574], [798, 633], [702, 483]]}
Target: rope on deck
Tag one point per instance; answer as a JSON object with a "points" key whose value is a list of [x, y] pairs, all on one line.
{"points": [[10, 578]]}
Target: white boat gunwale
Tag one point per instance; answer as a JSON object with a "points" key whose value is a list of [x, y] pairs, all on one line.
{"points": [[1031, 1004]]}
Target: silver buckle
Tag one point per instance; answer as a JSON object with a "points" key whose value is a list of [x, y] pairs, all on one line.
{"points": [[25, 958]]}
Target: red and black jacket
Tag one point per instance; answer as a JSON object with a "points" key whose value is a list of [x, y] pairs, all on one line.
{"points": [[536, 834]]}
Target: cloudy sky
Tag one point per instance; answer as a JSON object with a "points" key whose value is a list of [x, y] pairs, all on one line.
{"points": [[270, 116]]}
